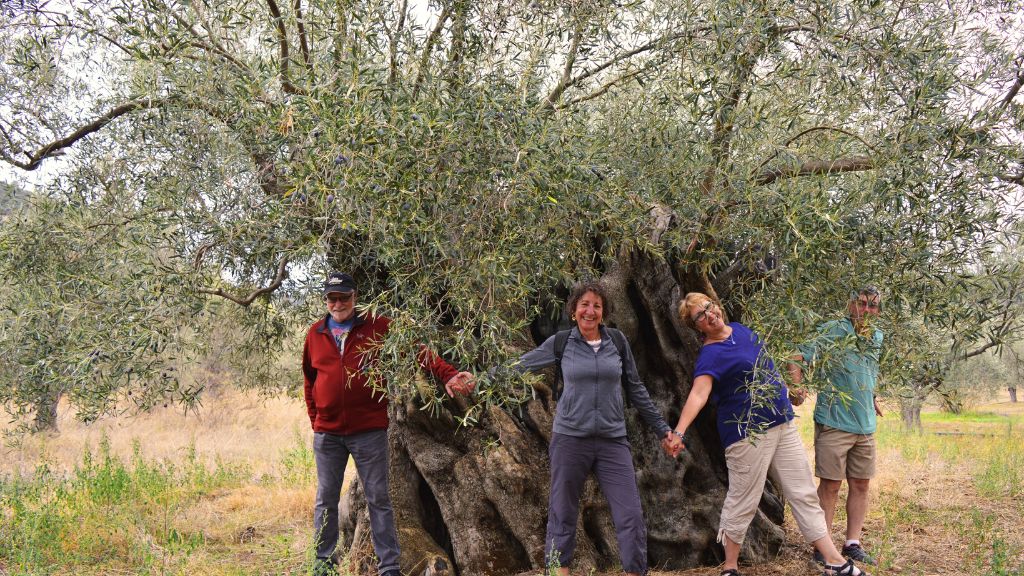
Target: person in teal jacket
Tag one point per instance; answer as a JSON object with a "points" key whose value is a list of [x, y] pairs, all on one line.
{"points": [[845, 353]]}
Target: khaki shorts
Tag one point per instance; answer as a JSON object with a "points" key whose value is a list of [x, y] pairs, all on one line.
{"points": [[839, 455]]}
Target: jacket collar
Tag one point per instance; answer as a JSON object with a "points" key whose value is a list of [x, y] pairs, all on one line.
{"points": [[357, 320], [575, 333]]}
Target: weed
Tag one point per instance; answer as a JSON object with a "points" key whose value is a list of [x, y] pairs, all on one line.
{"points": [[297, 464], [106, 515]]}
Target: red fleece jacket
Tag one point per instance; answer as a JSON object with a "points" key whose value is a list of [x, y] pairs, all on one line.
{"points": [[339, 397]]}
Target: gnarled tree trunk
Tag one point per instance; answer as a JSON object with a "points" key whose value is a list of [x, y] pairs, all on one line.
{"points": [[474, 501]]}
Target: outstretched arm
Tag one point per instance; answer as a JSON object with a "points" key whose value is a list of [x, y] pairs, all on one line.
{"points": [[455, 382], [698, 397], [797, 394]]}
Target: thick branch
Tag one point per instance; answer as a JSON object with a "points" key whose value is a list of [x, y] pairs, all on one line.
{"points": [[1012, 93], [428, 48], [282, 273], [979, 350], [393, 48], [52, 148], [303, 44], [282, 40], [570, 61], [796, 137], [813, 167]]}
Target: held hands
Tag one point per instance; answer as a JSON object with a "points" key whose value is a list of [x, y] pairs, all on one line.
{"points": [[672, 444], [461, 384]]}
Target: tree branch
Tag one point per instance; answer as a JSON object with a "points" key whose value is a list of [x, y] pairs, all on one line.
{"points": [[812, 167], [428, 48], [1012, 179], [282, 273], [1014, 89], [393, 48], [302, 32], [1005, 327], [602, 90], [562, 86], [52, 148], [213, 47], [796, 137], [282, 40], [570, 61]]}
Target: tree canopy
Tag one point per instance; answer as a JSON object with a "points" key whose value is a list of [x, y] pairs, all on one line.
{"points": [[467, 160]]}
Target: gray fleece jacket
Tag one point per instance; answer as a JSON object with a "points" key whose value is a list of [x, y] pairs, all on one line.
{"points": [[591, 402]]}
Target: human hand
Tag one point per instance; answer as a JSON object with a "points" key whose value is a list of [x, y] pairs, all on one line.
{"points": [[461, 384], [797, 396], [878, 409], [672, 444]]}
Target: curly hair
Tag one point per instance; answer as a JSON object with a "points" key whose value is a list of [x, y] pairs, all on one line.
{"points": [[582, 288], [696, 300]]}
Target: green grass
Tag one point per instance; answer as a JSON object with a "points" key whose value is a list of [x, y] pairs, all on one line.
{"points": [[979, 450], [107, 516], [140, 516]]}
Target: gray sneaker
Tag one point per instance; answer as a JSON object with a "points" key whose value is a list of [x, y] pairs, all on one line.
{"points": [[856, 553]]}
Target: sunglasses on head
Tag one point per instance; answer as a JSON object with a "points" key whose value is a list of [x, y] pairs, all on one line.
{"points": [[339, 297]]}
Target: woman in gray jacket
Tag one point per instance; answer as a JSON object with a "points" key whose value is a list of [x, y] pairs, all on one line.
{"points": [[589, 432]]}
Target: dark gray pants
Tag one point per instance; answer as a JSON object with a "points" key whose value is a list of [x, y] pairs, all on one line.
{"points": [[370, 452], [572, 459]]}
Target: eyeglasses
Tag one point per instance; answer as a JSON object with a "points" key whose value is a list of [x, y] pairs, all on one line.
{"points": [[873, 304], [343, 297], [703, 314]]}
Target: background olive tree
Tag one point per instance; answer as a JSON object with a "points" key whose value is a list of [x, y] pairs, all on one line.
{"points": [[468, 161]]}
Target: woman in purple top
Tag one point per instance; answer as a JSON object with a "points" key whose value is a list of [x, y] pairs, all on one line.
{"points": [[737, 375]]}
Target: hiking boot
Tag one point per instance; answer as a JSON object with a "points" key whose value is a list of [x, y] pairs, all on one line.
{"points": [[858, 554], [818, 558]]}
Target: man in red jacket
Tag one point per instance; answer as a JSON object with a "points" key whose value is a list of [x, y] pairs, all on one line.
{"points": [[350, 418]]}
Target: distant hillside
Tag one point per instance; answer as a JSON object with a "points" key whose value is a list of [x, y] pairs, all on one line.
{"points": [[12, 196]]}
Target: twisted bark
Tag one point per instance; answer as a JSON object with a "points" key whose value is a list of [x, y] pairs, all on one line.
{"points": [[474, 501]]}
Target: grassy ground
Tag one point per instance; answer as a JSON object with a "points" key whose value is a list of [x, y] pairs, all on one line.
{"points": [[230, 492]]}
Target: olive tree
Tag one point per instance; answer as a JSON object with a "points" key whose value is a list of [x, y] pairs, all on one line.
{"points": [[468, 161]]}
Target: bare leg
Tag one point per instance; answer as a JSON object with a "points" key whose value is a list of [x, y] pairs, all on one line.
{"points": [[732, 553], [828, 493], [828, 550], [856, 507]]}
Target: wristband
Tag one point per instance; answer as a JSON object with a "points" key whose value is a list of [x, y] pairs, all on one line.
{"points": [[680, 435]]}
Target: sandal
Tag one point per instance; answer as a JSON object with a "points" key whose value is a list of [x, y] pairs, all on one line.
{"points": [[848, 569]]}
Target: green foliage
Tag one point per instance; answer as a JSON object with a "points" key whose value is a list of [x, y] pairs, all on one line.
{"points": [[109, 514], [297, 464], [466, 175]]}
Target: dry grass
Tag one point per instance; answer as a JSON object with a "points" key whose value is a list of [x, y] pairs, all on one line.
{"points": [[230, 491], [242, 428]]}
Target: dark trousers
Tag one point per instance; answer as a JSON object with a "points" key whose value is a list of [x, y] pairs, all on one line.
{"points": [[370, 452], [572, 460]]}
